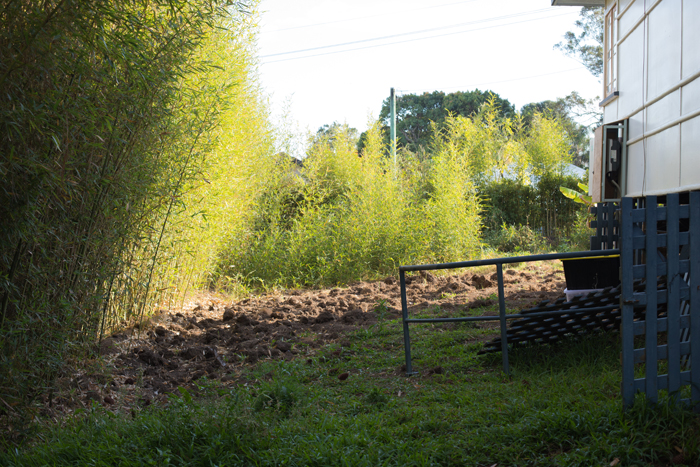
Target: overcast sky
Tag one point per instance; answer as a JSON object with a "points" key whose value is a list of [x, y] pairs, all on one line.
{"points": [[336, 60]]}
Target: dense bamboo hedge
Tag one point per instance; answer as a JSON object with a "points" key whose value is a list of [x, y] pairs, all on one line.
{"points": [[124, 126]]}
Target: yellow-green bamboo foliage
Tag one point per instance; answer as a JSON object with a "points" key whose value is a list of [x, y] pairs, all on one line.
{"points": [[547, 146], [130, 133], [233, 159], [452, 211], [358, 216], [493, 147]]}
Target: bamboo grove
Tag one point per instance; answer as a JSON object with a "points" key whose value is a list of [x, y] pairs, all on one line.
{"points": [[139, 163], [124, 125]]}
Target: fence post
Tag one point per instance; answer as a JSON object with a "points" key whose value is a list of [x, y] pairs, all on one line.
{"points": [[652, 364], [673, 303], [404, 311], [626, 300], [502, 314], [694, 298]]}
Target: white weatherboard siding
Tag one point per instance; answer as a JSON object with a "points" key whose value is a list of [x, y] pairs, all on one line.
{"points": [[691, 37], [658, 80], [690, 152]]}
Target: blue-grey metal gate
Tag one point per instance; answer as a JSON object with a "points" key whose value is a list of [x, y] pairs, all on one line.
{"points": [[606, 225], [660, 249]]}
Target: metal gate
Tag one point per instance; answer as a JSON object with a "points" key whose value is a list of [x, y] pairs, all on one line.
{"points": [[660, 273], [606, 225]]}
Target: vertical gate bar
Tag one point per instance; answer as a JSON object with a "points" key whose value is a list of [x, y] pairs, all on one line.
{"points": [[502, 314], [673, 280], [611, 231], [626, 304], [604, 227], [404, 312], [599, 225], [594, 238], [694, 299], [616, 228], [652, 364], [610, 208], [593, 224]]}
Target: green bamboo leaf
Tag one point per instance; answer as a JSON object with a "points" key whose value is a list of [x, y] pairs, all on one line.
{"points": [[55, 141]]}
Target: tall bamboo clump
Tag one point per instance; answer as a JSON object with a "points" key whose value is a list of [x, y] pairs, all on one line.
{"points": [[347, 216], [123, 148]]}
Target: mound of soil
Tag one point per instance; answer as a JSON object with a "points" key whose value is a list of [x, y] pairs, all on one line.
{"points": [[210, 337]]}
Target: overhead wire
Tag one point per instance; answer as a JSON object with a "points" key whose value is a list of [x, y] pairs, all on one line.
{"points": [[410, 33], [413, 91], [389, 13], [396, 42]]}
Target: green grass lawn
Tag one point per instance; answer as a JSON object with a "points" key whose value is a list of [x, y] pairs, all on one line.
{"points": [[560, 406]]}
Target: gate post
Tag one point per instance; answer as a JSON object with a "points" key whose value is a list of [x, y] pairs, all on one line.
{"points": [[627, 300]]}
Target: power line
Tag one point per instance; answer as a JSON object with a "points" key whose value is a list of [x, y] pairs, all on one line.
{"points": [[467, 86], [411, 40], [392, 13], [410, 33]]}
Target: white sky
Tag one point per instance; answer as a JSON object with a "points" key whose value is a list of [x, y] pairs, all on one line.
{"points": [[501, 45]]}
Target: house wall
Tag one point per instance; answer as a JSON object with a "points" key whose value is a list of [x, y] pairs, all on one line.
{"points": [[658, 80]]}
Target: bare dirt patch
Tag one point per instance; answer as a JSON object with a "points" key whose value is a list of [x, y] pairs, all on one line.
{"points": [[217, 339]]}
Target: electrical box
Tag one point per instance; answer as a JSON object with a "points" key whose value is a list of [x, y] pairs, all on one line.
{"points": [[608, 164]]}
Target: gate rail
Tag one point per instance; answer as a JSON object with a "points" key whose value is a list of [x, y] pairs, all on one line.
{"points": [[502, 317]]}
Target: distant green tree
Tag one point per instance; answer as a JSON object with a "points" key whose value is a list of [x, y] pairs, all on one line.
{"points": [[334, 129], [415, 112], [586, 46], [413, 116], [329, 133], [469, 103]]}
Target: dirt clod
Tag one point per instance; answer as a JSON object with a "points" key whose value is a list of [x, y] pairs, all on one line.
{"points": [[244, 320], [283, 346], [325, 317], [229, 314], [150, 357], [481, 282]]}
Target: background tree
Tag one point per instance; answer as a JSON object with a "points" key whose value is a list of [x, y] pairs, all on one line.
{"points": [[469, 103], [586, 46], [415, 112], [335, 129], [566, 110]]}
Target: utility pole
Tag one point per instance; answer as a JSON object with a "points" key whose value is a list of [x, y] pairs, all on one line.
{"points": [[392, 107]]}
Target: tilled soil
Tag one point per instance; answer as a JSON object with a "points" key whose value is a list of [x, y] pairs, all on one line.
{"points": [[210, 337]]}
